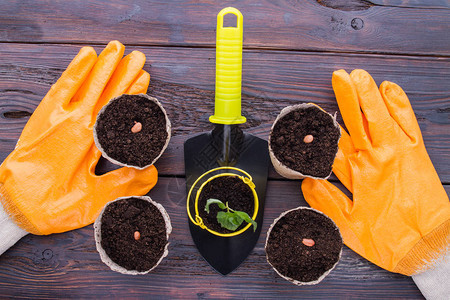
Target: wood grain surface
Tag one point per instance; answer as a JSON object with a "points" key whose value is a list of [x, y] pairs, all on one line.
{"points": [[291, 48], [389, 26]]}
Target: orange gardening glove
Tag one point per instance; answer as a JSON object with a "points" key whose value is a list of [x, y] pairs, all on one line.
{"points": [[400, 212], [48, 183]]}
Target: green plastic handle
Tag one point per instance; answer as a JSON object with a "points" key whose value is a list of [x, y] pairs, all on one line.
{"points": [[228, 70]]}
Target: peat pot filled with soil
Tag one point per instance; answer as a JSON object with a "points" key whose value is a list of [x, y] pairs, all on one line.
{"points": [[226, 204], [303, 245], [131, 234], [303, 142], [132, 130]]}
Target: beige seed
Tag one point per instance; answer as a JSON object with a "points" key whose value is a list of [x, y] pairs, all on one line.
{"points": [[137, 235], [136, 127], [308, 242], [308, 139]]}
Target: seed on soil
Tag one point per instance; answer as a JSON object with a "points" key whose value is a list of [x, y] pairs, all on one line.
{"points": [[308, 139], [308, 242], [136, 127], [137, 235]]}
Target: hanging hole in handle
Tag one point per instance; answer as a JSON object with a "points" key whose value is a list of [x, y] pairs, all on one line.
{"points": [[230, 20]]}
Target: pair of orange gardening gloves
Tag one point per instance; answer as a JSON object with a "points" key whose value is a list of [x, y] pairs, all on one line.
{"points": [[399, 217], [48, 183]]}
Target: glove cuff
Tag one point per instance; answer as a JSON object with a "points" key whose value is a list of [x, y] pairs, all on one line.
{"points": [[434, 283], [10, 233], [428, 250], [14, 213]]}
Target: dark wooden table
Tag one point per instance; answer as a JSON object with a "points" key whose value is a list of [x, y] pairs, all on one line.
{"points": [[291, 49]]}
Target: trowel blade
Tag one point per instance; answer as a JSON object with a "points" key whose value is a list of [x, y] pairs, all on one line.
{"points": [[201, 154]]}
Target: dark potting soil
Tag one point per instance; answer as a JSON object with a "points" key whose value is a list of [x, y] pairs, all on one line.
{"points": [[114, 130], [229, 189], [315, 158], [120, 221], [287, 253]]}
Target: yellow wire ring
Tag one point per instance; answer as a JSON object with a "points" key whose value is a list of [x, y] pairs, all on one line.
{"points": [[198, 220]]}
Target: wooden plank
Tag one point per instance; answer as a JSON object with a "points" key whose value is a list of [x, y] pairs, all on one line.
{"points": [[388, 26], [65, 264], [183, 79], [352, 5]]}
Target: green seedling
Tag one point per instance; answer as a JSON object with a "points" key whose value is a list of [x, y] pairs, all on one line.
{"points": [[230, 219]]}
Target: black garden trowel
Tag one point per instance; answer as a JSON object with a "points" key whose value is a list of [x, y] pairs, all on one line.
{"points": [[226, 146]]}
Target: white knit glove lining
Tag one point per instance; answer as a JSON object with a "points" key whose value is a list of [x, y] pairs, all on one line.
{"points": [[435, 282], [10, 233]]}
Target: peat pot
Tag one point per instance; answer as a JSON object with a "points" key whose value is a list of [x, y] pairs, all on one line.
{"points": [[132, 234], [303, 142], [303, 246], [132, 130]]}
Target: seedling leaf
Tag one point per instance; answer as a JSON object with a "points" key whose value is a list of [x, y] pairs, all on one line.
{"points": [[244, 216], [211, 201], [229, 220]]}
